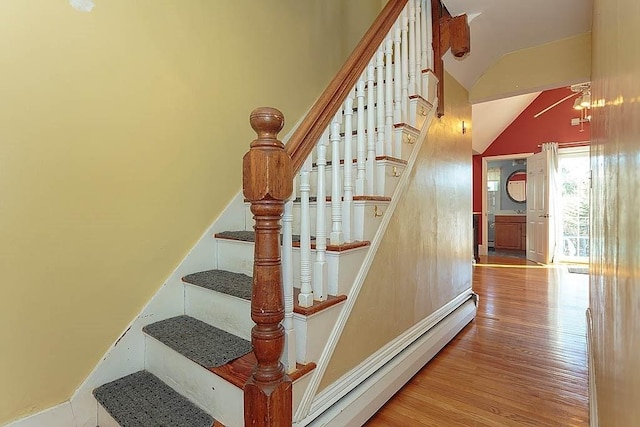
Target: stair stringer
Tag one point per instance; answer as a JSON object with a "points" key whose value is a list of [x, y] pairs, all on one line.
{"points": [[316, 376]]}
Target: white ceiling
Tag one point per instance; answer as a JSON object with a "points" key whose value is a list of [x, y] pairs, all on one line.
{"points": [[499, 27], [492, 117], [504, 26]]}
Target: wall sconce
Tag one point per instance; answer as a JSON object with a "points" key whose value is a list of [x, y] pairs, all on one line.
{"points": [[464, 129]]}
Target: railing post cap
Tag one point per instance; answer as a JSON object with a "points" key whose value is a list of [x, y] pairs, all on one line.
{"points": [[266, 122]]}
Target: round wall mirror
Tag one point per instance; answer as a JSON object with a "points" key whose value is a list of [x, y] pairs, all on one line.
{"points": [[517, 186]]}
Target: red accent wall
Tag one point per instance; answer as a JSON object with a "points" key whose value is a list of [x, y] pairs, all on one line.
{"points": [[477, 178], [525, 133]]}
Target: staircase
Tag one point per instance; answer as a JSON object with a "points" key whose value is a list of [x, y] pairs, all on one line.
{"points": [[207, 365]]}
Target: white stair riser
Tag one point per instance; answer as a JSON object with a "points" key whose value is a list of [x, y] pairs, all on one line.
{"points": [[312, 332], [415, 117], [235, 256], [409, 138], [418, 112], [104, 419], [363, 219], [342, 267], [389, 173], [219, 398], [430, 86], [226, 312], [366, 217], [372, 213]]}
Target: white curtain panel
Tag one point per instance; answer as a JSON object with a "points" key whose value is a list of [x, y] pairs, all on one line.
{"points": [[555, 208]]}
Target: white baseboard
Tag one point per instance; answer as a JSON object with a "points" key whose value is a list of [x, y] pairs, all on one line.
{"points": [[57, 416], [593, 402], [359, 404]]}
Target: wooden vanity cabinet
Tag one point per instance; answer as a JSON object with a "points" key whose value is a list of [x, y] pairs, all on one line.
{"points": [[511, 232]]}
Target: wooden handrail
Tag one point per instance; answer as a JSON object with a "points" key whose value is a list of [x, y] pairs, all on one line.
{"points": [[304, 139]]}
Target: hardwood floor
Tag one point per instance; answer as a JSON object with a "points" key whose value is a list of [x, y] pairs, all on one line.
{"points": [[521, 362]]}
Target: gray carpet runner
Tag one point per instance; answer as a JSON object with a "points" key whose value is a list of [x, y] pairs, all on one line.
{"points": [[143, 400], [226, 282], [206, 345]]}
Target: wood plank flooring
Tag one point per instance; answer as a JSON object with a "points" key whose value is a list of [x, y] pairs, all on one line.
{"points": [[521, 362]]}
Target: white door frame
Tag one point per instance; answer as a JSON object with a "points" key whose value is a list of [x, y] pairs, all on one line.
{"points": [[483, 248]]}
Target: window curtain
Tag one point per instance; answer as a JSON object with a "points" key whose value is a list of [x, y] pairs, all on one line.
{"points": [[555, 208]]}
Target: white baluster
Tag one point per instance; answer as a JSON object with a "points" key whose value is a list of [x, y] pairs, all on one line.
{"points": [[405, 65], [289, 353], [337, 236], [361, 178], [397, 72], [380, 118], [424, 36], [320, 283], [412, 47], [371, 130], [347, 203], [418, 47], [305, 298], [429, 24], [388, 90]]}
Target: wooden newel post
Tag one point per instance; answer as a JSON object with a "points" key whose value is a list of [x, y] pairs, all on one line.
{"points": [[267, 182]]}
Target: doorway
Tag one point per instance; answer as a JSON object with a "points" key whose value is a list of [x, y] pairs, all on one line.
{"points": [[574, 173], [496, 201]]}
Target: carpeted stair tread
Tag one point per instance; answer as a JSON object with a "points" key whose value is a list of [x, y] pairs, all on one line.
{"points": [[206, 345], [235, 284], [143, 400], [246, 236]]}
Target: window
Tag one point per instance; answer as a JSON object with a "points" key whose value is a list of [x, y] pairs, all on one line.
{"points": [[493, 189]]}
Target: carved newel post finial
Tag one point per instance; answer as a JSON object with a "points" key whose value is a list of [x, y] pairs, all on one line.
{"points": [[267, 183]]}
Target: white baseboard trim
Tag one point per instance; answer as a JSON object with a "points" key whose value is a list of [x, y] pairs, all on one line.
{"points": [[593, 401], [483, 250], [56, 416], [357, 404]]}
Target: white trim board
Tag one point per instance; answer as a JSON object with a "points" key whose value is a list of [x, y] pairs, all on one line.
{"points": [[360, 401], [57, 416]]}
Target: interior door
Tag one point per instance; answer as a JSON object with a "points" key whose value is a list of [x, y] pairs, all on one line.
{"points": [[538, 239]]}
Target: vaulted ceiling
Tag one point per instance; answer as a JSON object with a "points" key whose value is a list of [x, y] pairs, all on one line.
{"points": [[499, 27]]}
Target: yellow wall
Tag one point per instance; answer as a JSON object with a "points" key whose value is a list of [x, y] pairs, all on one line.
{"points": [[424, 260], [615, 228], [563, 62], [121, 137]]}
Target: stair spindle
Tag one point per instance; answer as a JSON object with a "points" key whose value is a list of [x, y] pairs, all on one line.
{"points": [[397, 72], [380, 115], [412, 47], [388, 102], [267, 181], [289, 354], [361, 151], [405, 64], [337, 235], [347, 204], [418, 47], [305, 297], [429, 28], [371, 129], [320, 275]]}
